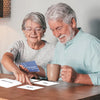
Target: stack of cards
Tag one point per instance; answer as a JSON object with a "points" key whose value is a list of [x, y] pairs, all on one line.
{"points": [[31, 66]]}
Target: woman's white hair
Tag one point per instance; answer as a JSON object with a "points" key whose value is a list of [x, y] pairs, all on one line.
{"points": [[36, 17], [60, 11]]}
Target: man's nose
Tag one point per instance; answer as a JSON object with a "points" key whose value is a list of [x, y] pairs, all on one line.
{"points": [[56, 34]]}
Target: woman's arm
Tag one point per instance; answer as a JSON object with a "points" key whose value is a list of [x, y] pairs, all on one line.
{"points": [[41, 73], [8, 63]]}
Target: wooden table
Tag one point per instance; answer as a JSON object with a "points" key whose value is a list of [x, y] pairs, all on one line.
{"points": [[62, 91]]}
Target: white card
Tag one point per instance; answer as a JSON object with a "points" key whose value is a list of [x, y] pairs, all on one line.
{"points": [[7, 83], [46, 83], [29, 87], [33, 80]]}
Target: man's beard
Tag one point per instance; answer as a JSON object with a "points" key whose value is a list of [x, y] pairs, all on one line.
{"points": [[68, 38]]}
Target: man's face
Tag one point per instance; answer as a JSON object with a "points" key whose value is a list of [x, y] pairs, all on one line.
{"points": [[61, 30]]}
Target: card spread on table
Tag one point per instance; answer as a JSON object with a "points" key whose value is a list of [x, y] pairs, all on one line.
{"points": [[31, 66], [29, 87], [7, 83], [46, 83], [34, 80]]}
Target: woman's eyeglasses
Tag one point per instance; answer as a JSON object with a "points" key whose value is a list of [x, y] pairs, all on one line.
{"points": [[36, 30]]}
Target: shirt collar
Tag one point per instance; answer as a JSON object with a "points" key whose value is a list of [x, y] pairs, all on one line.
{"points": [[74, 39]]}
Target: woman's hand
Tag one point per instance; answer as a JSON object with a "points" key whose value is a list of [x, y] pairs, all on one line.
{"points": [[22, 77], [22, 68], [30, 74]]}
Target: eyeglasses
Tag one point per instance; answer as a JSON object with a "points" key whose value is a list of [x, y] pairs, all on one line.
{"points": [[37, 30]]}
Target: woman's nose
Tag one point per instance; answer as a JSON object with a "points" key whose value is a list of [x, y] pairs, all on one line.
{"points": [[33, 31]]}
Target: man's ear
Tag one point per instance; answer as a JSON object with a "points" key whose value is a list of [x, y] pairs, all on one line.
{"points": [[73, 23], [43, 32]]}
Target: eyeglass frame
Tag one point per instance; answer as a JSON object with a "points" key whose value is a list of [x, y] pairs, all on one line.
{"points": [[36, 30]]}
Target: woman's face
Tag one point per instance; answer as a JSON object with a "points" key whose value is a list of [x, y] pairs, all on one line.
{"points": [[33, 31]]}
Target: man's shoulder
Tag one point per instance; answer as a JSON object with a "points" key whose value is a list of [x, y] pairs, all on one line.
{"points": [[87, 37]]}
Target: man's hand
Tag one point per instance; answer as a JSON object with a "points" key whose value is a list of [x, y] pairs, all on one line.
{"points": [[68, 74], [22, 77]]}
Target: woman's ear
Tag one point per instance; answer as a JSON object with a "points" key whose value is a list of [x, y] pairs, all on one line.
{"points": [[24, 32], [73, 23]]}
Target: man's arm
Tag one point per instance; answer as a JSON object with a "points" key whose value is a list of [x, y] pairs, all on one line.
{"points": [[70, 75], [8, 63], [83, 79]]}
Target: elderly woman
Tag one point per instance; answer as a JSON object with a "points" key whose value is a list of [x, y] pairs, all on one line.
{"points": [[33, 48]]}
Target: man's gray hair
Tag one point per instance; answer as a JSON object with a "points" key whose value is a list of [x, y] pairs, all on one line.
{"points": [[60, 11], [35, 17]]}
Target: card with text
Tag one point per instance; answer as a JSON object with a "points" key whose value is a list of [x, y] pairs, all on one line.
{"points": [[46, 83], [33, 80], [7, 83], [29, 87], [31, 66]]}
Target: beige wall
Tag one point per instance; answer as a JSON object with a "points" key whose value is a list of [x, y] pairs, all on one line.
{"points": [[10, 28]]}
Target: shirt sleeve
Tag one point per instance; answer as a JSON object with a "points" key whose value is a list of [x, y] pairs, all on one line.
{"points": [[14, 48], [95, 78], [54, 60], [93, 61]]}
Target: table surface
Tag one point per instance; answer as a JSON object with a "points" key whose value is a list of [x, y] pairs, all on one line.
{"points": [[62, 91]]}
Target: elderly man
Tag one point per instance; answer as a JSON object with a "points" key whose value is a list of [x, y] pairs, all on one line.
{"points": [[76, 51]]}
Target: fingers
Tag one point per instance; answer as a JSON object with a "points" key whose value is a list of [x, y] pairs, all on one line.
{"points": [[31, 75], [66, 73], [28, 81], [22, 77], [26, 70], [16, 75], [21, 67], [65, 67], [66, 76]]}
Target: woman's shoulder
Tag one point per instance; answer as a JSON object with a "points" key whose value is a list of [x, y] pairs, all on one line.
{"points": [[19, 43]]}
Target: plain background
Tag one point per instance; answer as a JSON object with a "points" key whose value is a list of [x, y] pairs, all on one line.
{"points": [[87, 11]]}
